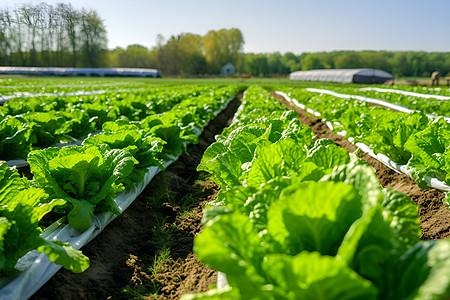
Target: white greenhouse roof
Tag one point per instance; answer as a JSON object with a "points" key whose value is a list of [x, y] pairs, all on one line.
{"points": [[56, 71], [343, 75]]}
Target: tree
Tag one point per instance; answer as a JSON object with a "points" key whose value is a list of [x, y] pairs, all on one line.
{"points": [[70, 18], [348, 61], [221, 47], [93, 38], [311, 62]]}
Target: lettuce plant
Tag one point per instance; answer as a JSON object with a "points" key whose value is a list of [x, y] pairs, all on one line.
{"points": [[87, 178], [21, 209], [287, 234], [15, 140], [142, 145]]}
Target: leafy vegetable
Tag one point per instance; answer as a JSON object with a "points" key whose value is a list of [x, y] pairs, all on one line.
{"points": [[14, 139], [21, 210], [87, 177], [143, 146]]}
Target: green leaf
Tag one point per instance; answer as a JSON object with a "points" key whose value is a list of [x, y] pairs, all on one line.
{"points": [[280, 159], [64, 255], [367, 247], [403, 217], [214, 294], [359, 174], [80, 217], [223, 164], [231, 245], [315, 217], [310, 275], [15, 142], [326, 154], [423, 272], [427, 148]]}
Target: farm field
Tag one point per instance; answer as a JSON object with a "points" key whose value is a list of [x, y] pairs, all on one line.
{"points": [[247, 145]]}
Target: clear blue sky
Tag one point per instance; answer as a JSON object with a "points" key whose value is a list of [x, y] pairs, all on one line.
{"points": [[285, 25]]}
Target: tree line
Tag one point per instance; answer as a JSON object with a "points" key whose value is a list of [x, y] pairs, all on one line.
{"points": [[183, 55], [52, 35], [60, 35]]}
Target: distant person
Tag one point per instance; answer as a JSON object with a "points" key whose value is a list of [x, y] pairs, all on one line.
{"points": [[435, 78]]}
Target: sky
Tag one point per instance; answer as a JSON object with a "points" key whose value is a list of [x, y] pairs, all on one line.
{"points": [[295, 26]]}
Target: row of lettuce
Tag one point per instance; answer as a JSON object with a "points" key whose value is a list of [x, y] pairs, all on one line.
{"points": [[77, 182], [300, 218], [440, 91], [25, 86], [40, 122], [432, 106], [414, 140]]}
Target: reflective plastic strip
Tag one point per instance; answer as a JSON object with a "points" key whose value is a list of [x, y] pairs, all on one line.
{"points": [[440, 97]]}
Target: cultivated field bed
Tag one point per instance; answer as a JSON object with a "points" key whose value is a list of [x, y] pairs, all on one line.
{"points": [[150, 249]]}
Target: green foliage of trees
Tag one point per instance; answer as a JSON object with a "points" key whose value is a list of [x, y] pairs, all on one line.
{"points": [[399, 63], [46, 35]]}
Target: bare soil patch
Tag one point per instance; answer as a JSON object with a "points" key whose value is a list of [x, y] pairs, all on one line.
{"points": [[129, 258], [434, 215]]}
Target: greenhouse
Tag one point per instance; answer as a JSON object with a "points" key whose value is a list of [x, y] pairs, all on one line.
{"points": [[343, 75], [102, 72]]}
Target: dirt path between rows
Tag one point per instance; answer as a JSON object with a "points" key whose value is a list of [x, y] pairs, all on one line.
{"points": [[147, 251], [434, 215]]}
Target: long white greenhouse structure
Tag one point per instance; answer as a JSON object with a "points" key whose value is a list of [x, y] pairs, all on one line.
{"points": [[102, 72], [343, 75]]}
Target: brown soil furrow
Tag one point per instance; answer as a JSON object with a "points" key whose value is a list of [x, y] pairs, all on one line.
{"points": [[434, 215]]}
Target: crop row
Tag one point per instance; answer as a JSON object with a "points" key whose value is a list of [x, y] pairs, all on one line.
{"points": [[411, 140], [425, 90], [432, 106], [33, 123], [300, 218], [77, 183]]}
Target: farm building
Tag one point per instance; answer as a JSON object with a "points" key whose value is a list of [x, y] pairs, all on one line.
{"points": [[114, 72], [227, 70], [343, 75]]}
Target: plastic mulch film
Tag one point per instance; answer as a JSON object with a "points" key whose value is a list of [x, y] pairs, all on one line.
{"points": [[402, 169], [439, 97], [19, 163], [77, 93], [37, 269], [371, 100]]}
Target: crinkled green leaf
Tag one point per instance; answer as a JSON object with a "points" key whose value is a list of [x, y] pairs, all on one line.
{"points": [[328, 155], [310, 275], [15, 142], [423, 272], [315, 217]]}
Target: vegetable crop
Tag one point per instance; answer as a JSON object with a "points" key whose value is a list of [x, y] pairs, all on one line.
{"points": [[308, 228]]}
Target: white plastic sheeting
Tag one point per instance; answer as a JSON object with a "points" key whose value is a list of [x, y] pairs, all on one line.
{"points": [[407, 93], [343, 75], [37, 269], [77, 93], [404, 169], [372, 100], [57, 71]]}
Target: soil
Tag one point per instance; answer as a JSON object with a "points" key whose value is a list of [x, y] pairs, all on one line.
{"points": [[167, 215]]}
